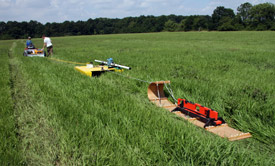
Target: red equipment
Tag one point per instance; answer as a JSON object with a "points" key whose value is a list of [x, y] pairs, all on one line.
{"points": [[204, 114]]}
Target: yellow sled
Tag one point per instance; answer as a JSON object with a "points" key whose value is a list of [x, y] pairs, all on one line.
{"points": [[96, 70], [93, 71]]}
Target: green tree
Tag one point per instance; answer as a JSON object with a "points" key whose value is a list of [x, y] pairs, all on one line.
{"points": [[90, 25], [67, 27], [262, 16], [188, 23], [160, 21], [39, 29], [31, 31], [201, 23], [170, 26], [14, 29], [219, 13], [226, 24], [2, 27], [244, 13]]}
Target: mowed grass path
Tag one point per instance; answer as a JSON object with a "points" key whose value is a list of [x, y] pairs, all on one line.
{"points": [[53, 115]]}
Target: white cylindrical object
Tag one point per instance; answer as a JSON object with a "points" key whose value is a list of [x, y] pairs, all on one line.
{"points": [[113, 64], [101, 62], [121, 66]]}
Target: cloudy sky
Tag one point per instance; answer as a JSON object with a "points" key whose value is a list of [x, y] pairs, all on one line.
{"points": [[73, 10]]}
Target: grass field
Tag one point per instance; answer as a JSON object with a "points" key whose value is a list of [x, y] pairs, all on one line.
{"points": [[53, 115]]}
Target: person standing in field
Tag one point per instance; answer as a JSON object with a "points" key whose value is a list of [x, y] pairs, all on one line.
{"points": [[48, 44]]}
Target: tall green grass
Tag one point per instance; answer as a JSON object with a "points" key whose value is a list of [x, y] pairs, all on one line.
{"points": [[10, 150], [65, 118]]}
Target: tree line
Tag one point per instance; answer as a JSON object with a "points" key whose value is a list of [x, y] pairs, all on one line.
{"points": [[259, 17]]}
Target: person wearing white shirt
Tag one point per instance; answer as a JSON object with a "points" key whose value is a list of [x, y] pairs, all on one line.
{"points": [[48, 44]]}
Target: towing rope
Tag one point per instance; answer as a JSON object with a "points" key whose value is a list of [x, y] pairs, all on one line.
{"points": [[130, 77], [59, 60], [169, 89], [170, 92]]}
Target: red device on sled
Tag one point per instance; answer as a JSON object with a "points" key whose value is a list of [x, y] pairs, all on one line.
{"points": [[204, 114]]}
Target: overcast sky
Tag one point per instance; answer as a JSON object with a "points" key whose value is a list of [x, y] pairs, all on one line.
{"points": [[73, 10]]}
